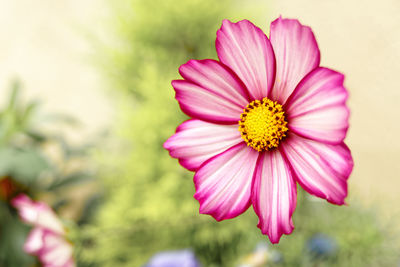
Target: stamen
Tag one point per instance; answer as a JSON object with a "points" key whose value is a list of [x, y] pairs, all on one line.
{"points": [[262, 124]]}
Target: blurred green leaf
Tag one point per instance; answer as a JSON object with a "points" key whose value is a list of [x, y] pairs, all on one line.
{"points": [[62, 118], [24, 165], [13, 100], [12, 237], [90, 208], [16, 117], [71, 180], [36, 136], [27, 113]]}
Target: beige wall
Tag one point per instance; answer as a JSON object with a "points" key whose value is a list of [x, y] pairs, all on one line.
{"points": [[46, 44]]}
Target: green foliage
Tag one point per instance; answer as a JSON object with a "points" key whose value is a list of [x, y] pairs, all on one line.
{"points": [[26, 166], [12, 236], [16, 118], [23, 145]]}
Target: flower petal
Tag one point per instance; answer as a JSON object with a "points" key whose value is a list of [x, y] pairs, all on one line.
{"points": [[296, 53], [56, 250], [247, 51], [223, 182], [216, 77], [34, 242], [274, 195], [204, 104], [321, 169], [195, 141], [317, 108], [37, 213]]}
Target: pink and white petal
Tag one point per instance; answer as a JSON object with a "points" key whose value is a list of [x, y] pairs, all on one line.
{"points": [[27, 209], [247, 51], [217, 78], [274, 195], [321, 169], [69, 263], [48, 219], [205, 104], [196, 141], [37, 213], [296, 53], [34, 242], [317, 108], [56, 251], [223, 182]]}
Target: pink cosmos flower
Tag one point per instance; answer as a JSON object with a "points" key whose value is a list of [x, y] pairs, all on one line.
{"points": [[264, 117], [47, 239]]}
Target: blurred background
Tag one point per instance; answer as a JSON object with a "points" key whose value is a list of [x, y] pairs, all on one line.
{"points": [[86, 104]]}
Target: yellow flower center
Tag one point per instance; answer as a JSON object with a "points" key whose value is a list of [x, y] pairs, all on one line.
{"points": [[262, 124]]}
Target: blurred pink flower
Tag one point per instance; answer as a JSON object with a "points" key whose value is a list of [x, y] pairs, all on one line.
{"points": [[264, 117], [47, 239]]}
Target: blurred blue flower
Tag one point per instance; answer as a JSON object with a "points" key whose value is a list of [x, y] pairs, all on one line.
{"points": [[179, 258], [321, 245]]}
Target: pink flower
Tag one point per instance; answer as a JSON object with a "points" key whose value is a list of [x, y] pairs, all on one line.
{"points": [[47, 239], [264, 117]]}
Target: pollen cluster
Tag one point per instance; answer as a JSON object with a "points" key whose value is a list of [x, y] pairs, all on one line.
{"points": [[262, 124]]}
